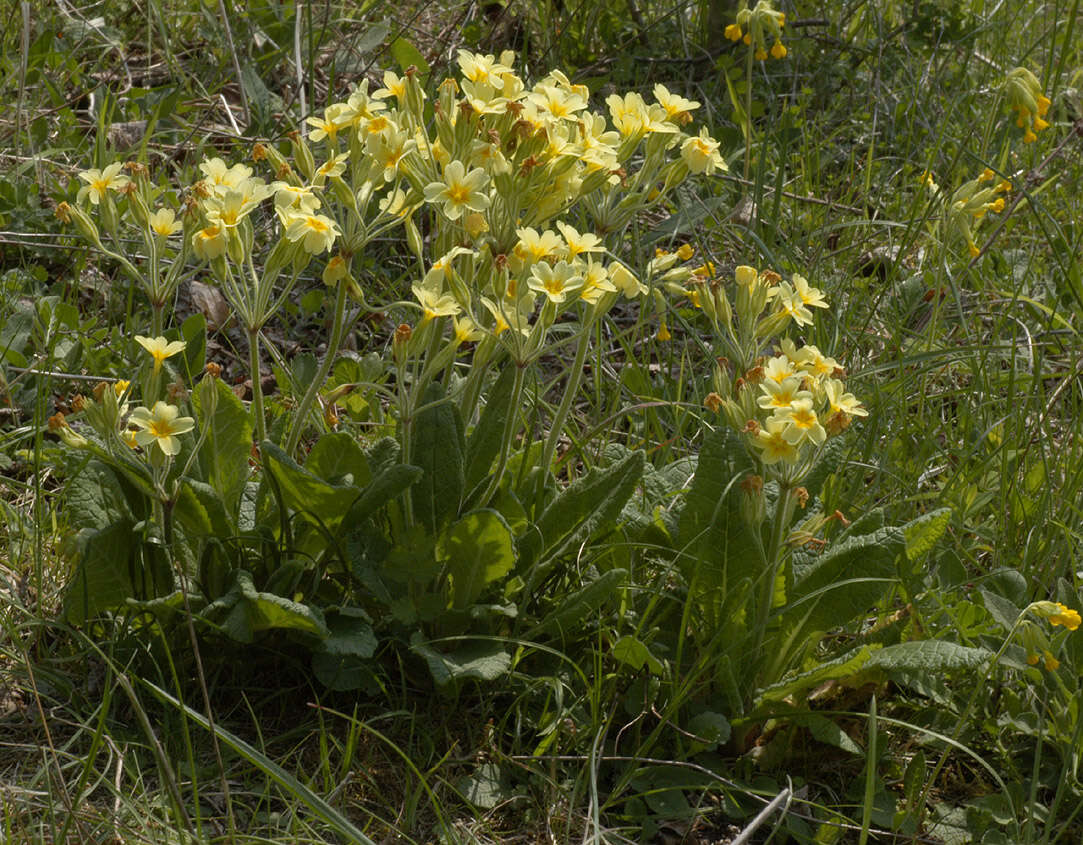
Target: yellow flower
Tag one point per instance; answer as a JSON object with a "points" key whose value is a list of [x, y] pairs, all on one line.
{"points": [[209, 243], [164, 223], [555, 281], [160, 424], [1051, 663], [435, 304], [220, 178], [316, 232], [1065, 616], [1056, 613], [98, 182], [802, 423], [701, 154], [1024, 94], [335, 271], [160, 348], [772, 445], [460, 191]]}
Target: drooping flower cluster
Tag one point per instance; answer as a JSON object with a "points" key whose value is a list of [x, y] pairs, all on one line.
{"points": [[754, 27], [966, 208], [1024, 94], [1038, 647]]}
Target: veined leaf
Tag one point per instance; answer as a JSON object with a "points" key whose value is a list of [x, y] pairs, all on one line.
{"points": [[923, 533], [479, 549], [228, 447], [437, 447]]}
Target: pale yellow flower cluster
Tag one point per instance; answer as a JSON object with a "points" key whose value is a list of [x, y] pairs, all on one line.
{"points": [[494, 294], [788, 404]]}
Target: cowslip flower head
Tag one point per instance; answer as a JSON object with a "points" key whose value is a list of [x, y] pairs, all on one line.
{"points": [[1024, 94], [1056, 613], [160, 348], [460, 191], [100, 182], [755, 26], [160, 425]]}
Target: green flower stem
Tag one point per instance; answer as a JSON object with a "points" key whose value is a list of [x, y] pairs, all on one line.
{"points": [[575, 377], [748, 112], [510, 424], [783, 514], [309, 398], [257, 387]]}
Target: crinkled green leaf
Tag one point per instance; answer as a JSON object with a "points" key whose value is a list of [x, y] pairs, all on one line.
{"points": [[479, 549], [478, 661], [225, 453], [845, 666], [437, 447], [923, 533]]}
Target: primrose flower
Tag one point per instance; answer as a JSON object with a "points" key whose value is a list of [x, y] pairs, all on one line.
{"points": [[841, 402], [160, 348], [555, 281], [579, 243], [219, 177], [629, 113], [808, 295], [476, 67], [625, 281], [773, 446], [434, 304], [534, 246], [164, 223], [802, 423], [394, 86], [316, 232], [700, 153], [99, 182], [780, 395], [336, 117], [160, 424], [556, 102], [209, 243], [389, 148], [459, 191], [294, 197], [596, 281], [791, 302], [677, 108], [1024, 94]]}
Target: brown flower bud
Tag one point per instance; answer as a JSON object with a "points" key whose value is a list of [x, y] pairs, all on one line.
{"points": [[713, 402], [213, 370], [63, 212], [801, 494]]}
